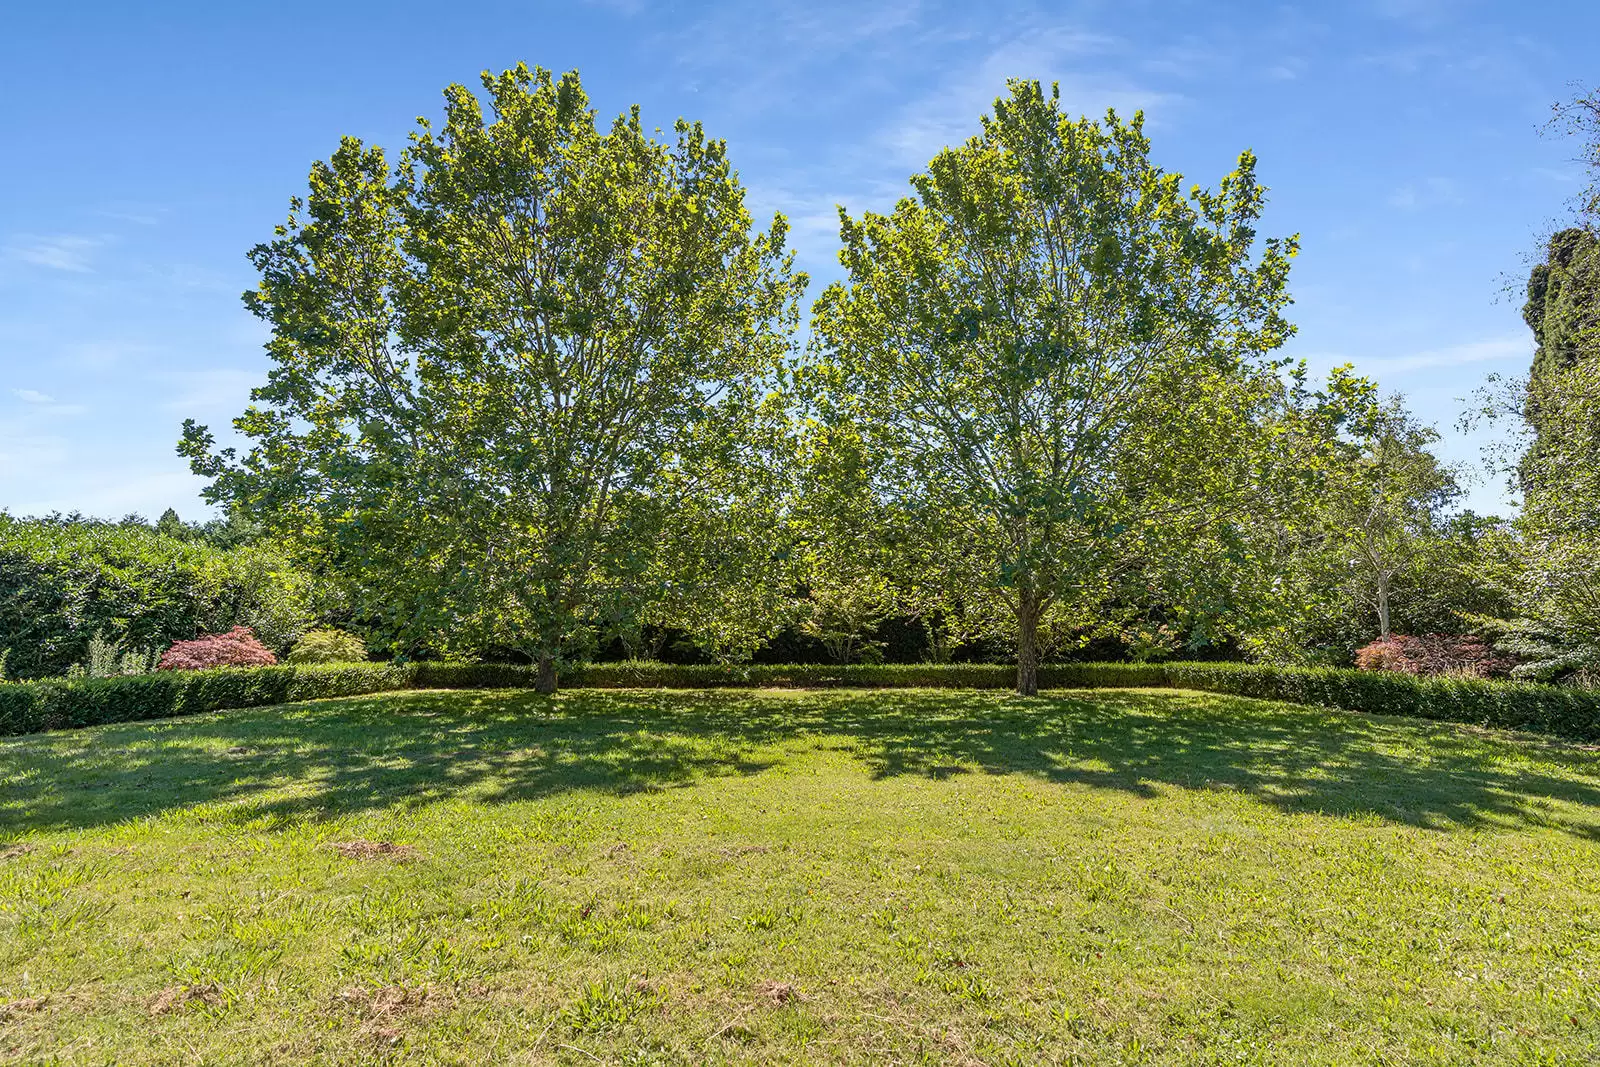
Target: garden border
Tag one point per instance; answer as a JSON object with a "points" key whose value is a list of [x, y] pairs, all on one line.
{"points": [[29, 707]]}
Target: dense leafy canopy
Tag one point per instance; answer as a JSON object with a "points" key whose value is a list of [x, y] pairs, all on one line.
{"points": [[533, 397], [1055, 361], [519, 373]]}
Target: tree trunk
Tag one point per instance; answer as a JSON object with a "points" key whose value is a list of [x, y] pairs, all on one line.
{"points": [[1383, 606], [546, 681], [1028, 644]]}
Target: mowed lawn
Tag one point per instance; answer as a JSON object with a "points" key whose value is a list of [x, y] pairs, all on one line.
{"points": [[829, 877]]}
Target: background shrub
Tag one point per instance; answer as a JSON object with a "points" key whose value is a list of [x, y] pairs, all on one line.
{"points": [[236, 648], [65, 579], [1459, 654], [328, 645]]}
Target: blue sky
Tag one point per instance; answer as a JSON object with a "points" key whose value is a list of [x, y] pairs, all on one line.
{"points": [[150, 145]]}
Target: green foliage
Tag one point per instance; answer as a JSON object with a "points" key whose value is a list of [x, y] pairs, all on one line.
{"points": [[760, 676], [65, 581], [1389, 510], [516, 372], [1553, 621], [26, 707], [1563, 306], [1053, 362], [1563, 711], [108, 659], [328, 646], [1381, 551]]}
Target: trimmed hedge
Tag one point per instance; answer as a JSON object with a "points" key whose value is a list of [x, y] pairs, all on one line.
{"points": [[26, 707], [1571, 713], [756, 676]]}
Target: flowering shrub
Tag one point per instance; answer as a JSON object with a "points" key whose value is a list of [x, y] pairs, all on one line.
{"points": [[236, 648], [1457, 654]]}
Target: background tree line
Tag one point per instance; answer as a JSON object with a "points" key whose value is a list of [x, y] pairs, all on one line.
{"points": [[538, 393]]}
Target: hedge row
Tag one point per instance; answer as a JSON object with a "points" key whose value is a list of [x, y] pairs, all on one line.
{"points": [[756, 676], [1565, 712], [26, 707], [1573, 713]]}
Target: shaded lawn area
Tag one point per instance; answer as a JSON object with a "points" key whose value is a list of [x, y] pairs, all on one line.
{"points": [[874, 877]]}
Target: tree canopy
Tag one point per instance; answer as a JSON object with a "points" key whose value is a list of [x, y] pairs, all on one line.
{"points": [[506, 368], [1056, 360]]}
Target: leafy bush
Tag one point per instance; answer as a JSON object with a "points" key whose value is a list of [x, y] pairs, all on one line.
{"points": [[328, 646], [63, 580], [108, 659], [1456, 654], [236, 648]]}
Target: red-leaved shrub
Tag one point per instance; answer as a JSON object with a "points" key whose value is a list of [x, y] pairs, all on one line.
{"points": [[1457, 654], [236, 648]]}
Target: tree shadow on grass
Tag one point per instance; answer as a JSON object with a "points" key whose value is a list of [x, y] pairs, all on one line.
{"points": [[338, 757]]}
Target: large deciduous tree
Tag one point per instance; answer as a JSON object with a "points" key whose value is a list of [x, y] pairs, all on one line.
{"points": [[1055, 359], [514, 369], [1388, 513]]}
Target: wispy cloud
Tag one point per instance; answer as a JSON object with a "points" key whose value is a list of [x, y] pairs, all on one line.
{"points": [[68, 252], [949, 114], [1563, 175], [133, 214], [1470, 353], [145, 489], [225, 389], [1427, 193], [41, 406], [1421, 14]]}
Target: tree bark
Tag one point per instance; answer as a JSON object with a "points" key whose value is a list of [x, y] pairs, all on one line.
{"points": [[546, 681], [1383, 606], [1028, 605]]}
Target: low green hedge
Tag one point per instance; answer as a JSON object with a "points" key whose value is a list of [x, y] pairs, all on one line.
{"points": [[756, 676], [1572, 713], [26, 707]]}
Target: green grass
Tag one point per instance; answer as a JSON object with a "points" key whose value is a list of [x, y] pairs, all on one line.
{"points": [[879, 877]]}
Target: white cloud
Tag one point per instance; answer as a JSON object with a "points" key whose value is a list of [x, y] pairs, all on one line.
{"points": [[1564, 175], [1429, 192], [627, 8], [225, 389], [68, 252], [40, 406], [1470, 353], [949, 115], [144, 490], [133, 215]]}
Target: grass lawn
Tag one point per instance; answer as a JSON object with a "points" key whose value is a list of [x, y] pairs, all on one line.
{"points": [[873, 877]]}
